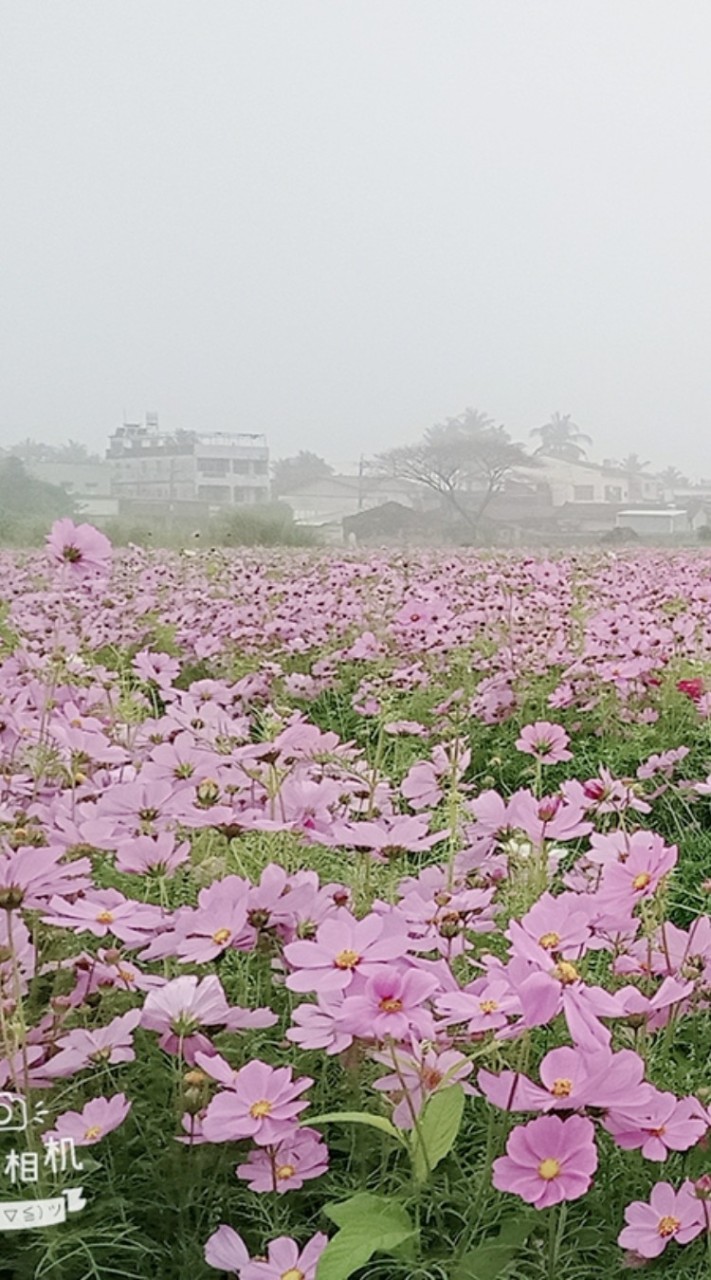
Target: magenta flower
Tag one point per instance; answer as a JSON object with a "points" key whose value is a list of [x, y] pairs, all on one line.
{"points": [[546, 742], [670, 1215], [299, 1158], [80, 549], [90, 1125], [391, 1005], [261, 1103], [548, 1160]]}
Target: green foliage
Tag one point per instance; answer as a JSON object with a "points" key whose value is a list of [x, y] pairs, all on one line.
{"points": [[367, 1225], [437, 1130]]}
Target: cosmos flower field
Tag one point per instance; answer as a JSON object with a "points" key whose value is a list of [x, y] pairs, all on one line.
{"points": [[354, 913]]}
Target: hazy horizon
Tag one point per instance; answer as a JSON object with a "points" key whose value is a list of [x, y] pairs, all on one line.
{"points": [[338, 224]]}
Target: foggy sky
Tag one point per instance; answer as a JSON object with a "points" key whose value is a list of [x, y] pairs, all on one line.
{"points": [[338, 221]]}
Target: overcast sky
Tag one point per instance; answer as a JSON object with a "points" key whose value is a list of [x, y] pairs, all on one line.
{"points": [[338, 221]]}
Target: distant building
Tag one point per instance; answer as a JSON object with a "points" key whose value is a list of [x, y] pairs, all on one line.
{"points": [[572, 482], [325, 503], [87, 483], [218, 468], [651, 521]]}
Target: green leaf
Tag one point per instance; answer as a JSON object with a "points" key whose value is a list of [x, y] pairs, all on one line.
{"points": [[343, 1255], [439, 1126], [492, 1257], [364, 1211], [360, 1117], [369, 1224]]}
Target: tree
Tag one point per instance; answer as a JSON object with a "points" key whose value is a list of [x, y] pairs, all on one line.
{"points": [[458, 457], [673, 478], [633, 466], [22, 495], [560, 438], [298, 471]]}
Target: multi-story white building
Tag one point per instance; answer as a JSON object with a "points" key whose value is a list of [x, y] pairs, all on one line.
{"points": [[570, 481], [217, 468]]}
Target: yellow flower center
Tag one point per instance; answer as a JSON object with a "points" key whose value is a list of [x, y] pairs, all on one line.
{"points": [[292, 1274], [566, 972], [221, 936], [285, 1171], [642, 880], [549, 1169], [261, 1108], [127, 975], [346, 959], [668, 1225], [562, 1088], [104, 917], [488, 1006], [93, 1132], [390, 1004], [549, 941]]}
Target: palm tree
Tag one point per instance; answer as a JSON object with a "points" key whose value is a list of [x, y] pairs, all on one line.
{"points": [[673, 478], [560, 438], [633, 467]]}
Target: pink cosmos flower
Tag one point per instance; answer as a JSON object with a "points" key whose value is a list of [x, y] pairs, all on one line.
{"points": [[667, 1124], [80, 549], [29, 876], [571, 1080], [216, 923], [92, 1123], [391, 1005], [261, 1103], [317, 1026], [421, 1072], [79, 1048], [158, 853], [159, 668], [104, 911], [546, 742], [225, 1250], [670, 1215], [548, 1160], [285, 1261], [298, 1159], [180, 1007], [344, 946]]}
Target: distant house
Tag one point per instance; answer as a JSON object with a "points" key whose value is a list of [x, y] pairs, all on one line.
{"points": [[325, 503], [647, 522], [391, 522], [589, 482]]}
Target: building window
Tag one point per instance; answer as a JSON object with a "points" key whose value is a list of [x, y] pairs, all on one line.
{"points": [[583, 493], [213, 466], [240, 466], [613, 493], [240, 495], [260, 468], [214, 492]]}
